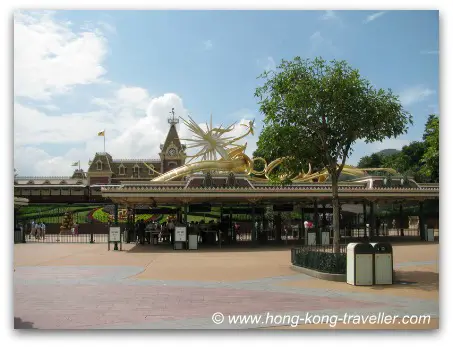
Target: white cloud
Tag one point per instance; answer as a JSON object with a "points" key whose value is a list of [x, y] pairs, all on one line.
{"points": [[135, 122], [435, 52], [329, 15], [267, 64], [107, 27], [50, 58], [373, 17], [319, 43], [207, 45], [415, 94], [270, 64], [50, 107]]}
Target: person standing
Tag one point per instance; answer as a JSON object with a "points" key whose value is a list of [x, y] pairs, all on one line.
{"points": [[141, 231], [171, 229]]}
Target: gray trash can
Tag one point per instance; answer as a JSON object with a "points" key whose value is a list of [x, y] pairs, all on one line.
{"points": [[193, 241], [383, 263], [311, 238], [359, 264], [429, 234]]}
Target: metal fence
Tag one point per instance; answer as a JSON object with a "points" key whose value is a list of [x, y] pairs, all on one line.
{"points": [[77, 238]]}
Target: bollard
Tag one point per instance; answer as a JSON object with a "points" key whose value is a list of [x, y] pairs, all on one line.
{"points": [[116, 246], [91, 238]]}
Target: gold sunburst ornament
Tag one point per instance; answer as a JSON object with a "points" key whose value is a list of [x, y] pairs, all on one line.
{"points": [[213, 142]]}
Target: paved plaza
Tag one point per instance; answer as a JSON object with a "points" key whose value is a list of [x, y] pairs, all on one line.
{"points": [[85, 286]]}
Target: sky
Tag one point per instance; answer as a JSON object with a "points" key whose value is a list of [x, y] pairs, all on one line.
{"points": [[79, 72]]}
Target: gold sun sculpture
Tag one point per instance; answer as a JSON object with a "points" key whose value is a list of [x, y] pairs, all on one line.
{"points": [[222, 153]]}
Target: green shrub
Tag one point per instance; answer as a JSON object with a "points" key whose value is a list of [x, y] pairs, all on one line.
{"points": [[327, 262]]}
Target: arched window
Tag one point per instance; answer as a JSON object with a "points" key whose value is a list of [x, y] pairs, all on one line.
{"points": [[151, 172], [99, 165]]}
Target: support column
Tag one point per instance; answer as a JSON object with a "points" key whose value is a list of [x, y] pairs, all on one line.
{"points": [[115, 214], [230, 225], [254, 238], [185, 213], [372, 220], [364, 220], [421, 221], [401, 221], [115, 220], [302, 226], [316, 221], [278, 227]]}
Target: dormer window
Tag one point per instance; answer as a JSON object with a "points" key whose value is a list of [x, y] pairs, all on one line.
{"points": [[46, 182], [151, 172], [30, 182], [136, 171], [63, 182], [99, 165], [122, 170]]}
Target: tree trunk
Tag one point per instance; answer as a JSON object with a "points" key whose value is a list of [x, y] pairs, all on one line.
{"points": [[336, 215]]}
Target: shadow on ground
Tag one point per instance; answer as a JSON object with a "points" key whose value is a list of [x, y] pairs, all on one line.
{"points": [[416, 280], [20, 324], [247, 247]]}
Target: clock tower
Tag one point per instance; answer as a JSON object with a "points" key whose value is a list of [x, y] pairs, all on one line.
{"points": [[172, 153]]}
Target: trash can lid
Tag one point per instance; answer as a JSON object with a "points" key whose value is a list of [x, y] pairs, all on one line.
{"points": [[382, 247], [360, 248]]}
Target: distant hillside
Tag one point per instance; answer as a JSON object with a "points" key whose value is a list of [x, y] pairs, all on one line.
{"points": [[386, 152]]}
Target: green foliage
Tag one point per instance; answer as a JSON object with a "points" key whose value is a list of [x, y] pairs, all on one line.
{"points": [[372, 161], [334, 263], [431, 155], [419, 159], [314, 111]]}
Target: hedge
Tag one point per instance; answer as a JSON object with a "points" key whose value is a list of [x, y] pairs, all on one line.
{"points": [[328, 262]]}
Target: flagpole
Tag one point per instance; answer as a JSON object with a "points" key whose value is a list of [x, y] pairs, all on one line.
{"points": [[104, 141], [79, 165]]}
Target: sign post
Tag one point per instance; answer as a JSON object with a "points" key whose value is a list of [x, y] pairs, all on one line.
{"points": [[114, 236], [180, 237]]}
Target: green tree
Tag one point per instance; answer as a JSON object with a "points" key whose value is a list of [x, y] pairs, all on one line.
{"points": [[431, 156], [372, 161], [315, 111]]}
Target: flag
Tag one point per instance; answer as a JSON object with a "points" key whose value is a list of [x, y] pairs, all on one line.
{"points": [[101, 133], [75, 164]]}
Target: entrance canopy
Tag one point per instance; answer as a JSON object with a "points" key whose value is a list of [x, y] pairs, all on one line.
{"points": [[193, 191]]}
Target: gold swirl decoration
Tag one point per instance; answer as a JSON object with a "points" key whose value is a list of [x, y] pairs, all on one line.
{"points": [[213, 142]]}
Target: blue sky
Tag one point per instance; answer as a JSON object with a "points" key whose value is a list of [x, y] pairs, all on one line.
{"points": [[125, 66]]}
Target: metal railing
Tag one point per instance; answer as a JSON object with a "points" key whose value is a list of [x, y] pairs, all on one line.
{"points": [[77, 238]]}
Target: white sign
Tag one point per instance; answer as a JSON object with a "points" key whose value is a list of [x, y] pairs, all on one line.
{"points": [[180, 234], [115, 234]]}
